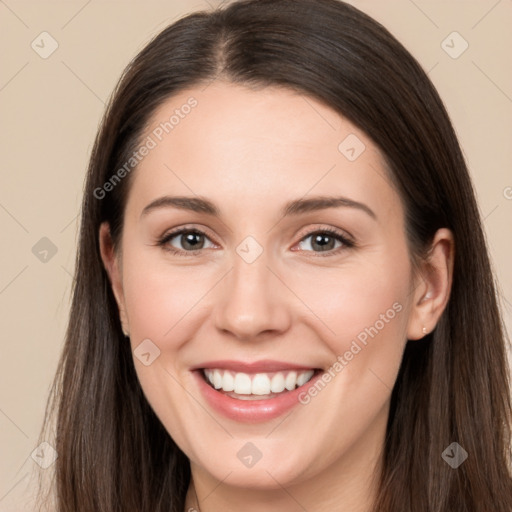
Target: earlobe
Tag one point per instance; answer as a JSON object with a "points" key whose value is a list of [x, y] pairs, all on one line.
{"points": [[112, 267], [433, 291]]}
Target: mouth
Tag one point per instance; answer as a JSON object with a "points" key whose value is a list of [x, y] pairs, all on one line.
{"points": [[256, 391], [256, 386]]}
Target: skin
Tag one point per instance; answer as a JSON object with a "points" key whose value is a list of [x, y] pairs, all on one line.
{"points": [[250, 152]]}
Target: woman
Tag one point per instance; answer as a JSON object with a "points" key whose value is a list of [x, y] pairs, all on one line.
{"points": [[214, 359]]}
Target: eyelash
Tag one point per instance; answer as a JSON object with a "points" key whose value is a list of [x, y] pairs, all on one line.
{"points": [[346, 242]]}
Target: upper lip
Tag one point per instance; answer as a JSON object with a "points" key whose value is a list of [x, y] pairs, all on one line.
{"points": [[267, 365]]}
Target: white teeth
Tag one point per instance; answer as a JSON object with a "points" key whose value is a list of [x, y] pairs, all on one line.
{"points": [[257, 384], [291, 380], [242, 384], [260, 384], [228, 382], [217, 380], [302, 379], [277, 383]]}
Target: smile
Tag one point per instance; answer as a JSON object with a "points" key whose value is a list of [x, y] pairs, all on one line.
{"points": [[256, 386], [253, 392]]}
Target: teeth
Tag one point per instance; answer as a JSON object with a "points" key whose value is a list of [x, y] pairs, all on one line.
{"points": [[277, 383], [291, 380], [260, 384], [242, 383], [257, 384], [302, 379], [217, 380], [228, 382]]}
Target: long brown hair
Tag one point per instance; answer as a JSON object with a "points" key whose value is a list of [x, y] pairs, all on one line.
{"points": [[453, 385]]}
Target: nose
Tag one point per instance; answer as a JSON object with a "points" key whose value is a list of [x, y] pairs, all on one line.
{"points": [[254, 303]]}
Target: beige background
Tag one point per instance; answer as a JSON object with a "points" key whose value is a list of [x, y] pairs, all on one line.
{"points": [[50, 109]]}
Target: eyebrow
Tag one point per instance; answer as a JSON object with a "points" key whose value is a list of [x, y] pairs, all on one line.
{"points": [[295, 207]]}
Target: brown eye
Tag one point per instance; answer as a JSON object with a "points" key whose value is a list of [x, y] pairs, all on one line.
{"points": [[185, 241], [191, 240], [324, 241]]}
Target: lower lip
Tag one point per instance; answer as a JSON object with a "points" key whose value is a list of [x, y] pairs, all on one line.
{"points": [[251, 411]]}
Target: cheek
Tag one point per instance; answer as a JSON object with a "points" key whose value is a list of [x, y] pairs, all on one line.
{"points": [[350, 300], [361, 312], [159, 296], [160, 302]]}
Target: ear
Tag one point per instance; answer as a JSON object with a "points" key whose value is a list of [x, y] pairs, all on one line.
{"points": [[112, 264], [433, 285]]}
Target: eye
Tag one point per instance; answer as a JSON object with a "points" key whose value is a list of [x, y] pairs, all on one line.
{"points": [[325, 241], [185, 241], [190, 242]]}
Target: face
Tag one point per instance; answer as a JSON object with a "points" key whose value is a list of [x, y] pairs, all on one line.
{"points": [[265, 283]]}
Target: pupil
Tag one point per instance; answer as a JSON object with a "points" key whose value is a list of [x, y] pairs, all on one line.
{"points": [[326, 245], [189, 240]]}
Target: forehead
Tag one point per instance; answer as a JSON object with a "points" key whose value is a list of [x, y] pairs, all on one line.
{"points": [[256, 147]]}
